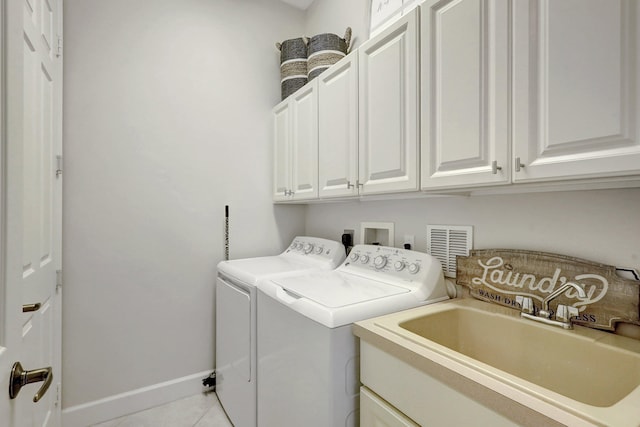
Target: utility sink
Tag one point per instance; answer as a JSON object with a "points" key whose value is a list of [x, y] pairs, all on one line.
{"points": [[587, 367], [566, 375]]}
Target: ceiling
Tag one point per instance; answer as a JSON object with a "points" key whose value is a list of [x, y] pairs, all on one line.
{"points": [[300, 4]]}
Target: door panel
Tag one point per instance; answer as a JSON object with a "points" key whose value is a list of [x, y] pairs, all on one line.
{"points": [[374, 411], [576, 109], [388, 120], [338, 129], [281, 154], [465, 93], [304, 142]]}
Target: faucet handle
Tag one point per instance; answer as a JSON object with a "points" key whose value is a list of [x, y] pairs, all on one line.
{"points": [[564, 313], [526, 303]]}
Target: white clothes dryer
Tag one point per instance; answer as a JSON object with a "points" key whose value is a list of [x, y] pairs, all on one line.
{"points": [[236, 306], [308, 358]]}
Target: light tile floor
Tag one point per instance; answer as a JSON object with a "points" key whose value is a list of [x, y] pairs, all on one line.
{"points": [[202, 410]]}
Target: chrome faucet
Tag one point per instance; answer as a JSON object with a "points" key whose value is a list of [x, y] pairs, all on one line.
{"points": [[563, 313]]}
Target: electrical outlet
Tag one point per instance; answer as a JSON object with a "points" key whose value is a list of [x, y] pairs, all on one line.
{"points": [[409, 239]]}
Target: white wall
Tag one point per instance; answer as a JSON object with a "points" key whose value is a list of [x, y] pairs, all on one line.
{"points": [[601, 226], [166, 120]]}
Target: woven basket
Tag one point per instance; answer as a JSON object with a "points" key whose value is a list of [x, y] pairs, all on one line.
{"points": [[325, 50], [293, 65]]}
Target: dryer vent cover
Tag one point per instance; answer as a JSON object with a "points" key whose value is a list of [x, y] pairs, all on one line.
{"points": [[445, 242]]}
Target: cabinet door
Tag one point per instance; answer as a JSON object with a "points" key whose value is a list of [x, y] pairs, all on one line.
{"points": [[388, 81], [376, 412], [576, 83], [281, 152], [464, 93], [338, 129], [304, 142]]}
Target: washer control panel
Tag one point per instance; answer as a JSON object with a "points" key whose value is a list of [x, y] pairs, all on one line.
{"points": [[391, 265]]}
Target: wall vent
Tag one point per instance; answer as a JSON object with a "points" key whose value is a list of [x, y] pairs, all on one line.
{"points": [[445, 242]]}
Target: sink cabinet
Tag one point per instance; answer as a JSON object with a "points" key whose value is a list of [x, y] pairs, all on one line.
{"points": [[295, 134], [374, 411], [412, 395]]}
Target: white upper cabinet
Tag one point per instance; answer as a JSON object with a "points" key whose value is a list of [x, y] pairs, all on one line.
{"points": [[388, 119], [305, 142], [338, 129], [296, 146], [464, 49], [281, 152], [576, 89]]}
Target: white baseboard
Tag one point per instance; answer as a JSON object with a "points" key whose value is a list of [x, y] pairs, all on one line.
{"points": [[123, 404]]}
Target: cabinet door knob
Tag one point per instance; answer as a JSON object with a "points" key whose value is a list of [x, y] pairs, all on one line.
{"points": [[495, 168], [519, 165]]}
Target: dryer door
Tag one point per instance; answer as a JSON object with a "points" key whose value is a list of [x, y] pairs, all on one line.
{"points": [[233, 333]]}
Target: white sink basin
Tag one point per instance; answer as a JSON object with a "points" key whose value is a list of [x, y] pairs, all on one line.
{"points": [[588, 367]]}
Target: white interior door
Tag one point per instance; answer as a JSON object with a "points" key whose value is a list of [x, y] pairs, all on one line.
{"points": [[32, 197]]}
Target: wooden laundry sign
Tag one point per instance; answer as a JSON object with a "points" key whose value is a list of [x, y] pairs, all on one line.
{"points": [[500, 275]]}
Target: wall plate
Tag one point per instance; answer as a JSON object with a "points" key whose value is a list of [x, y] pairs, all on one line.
{"points": [[381, 233]]}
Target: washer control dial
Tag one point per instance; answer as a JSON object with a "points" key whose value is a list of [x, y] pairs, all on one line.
{"points": [[319, 250], [380, 261], [354, 256], [300, 246], [364, 258], [308, 248], [398, 265], [414, 268]]}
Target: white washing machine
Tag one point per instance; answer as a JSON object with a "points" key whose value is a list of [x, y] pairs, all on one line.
{"points": [[236, 317], [308, 358]]}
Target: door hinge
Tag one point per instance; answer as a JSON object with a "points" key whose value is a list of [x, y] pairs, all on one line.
{"points": [[57, 402], [58, 280], [59, 47], [58, 165]]}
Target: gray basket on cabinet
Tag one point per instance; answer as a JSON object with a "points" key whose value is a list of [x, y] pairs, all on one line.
{"points": [[325, 50], [293, 65]]}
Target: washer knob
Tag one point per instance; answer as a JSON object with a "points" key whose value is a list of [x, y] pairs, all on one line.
{"points": [[293, 245], [319, 250], [399, 265], [354, 256], [308, 248], [300, 246], [364, 258], [414, 268], [380, 261]]}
